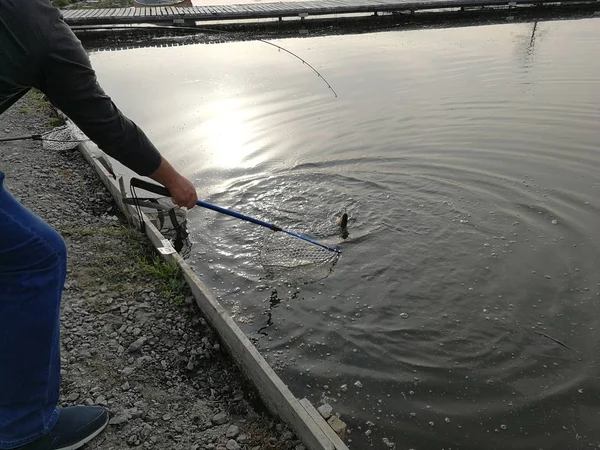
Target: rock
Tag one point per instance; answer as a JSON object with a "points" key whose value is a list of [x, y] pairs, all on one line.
{"points": [[125, 386], [190, 365], [136, 345], [127, 371], [337, 426], [232, 432], [119, 419], [72, 397], [325, 410], [242, 438], [233, 445], [220, 419]]}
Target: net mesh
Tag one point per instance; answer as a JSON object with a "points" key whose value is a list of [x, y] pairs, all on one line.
{"points": [[287, 257], [66, 137], [171, 221]]}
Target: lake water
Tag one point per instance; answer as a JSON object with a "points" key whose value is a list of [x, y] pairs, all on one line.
{"points": [[468, 160]]}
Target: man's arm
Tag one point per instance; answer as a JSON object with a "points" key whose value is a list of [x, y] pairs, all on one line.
{"points": [[65, 74]]}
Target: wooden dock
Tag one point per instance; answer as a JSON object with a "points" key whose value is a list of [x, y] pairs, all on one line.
{"points": [[275, 10]]}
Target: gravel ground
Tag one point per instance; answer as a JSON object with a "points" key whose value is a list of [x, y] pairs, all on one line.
{"points": [[132, 338]]}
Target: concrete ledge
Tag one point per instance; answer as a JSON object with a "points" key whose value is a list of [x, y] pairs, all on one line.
{"points": [[307, 423]]}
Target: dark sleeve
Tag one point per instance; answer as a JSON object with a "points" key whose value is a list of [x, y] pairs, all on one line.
{"points": [[67, 78]]}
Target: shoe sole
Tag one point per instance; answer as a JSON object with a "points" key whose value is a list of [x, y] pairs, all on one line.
{"points": [[87, 438]]}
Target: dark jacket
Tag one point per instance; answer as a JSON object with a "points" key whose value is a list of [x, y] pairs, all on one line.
{"points": [[38, 49]]}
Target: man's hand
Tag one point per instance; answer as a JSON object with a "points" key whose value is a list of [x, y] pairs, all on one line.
{"points": [[182, 190]]}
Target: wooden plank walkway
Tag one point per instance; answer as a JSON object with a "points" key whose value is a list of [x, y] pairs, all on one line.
{"points": [[277, 10]]}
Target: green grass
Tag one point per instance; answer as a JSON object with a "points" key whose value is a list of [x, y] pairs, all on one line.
{"points": [[123, 259], [172, 286], [39, 99], [41, 104], [57, 121]]}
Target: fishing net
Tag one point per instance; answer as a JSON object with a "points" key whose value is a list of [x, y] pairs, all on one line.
{"points": [[283, 254], [287, 257], [65, 137]]}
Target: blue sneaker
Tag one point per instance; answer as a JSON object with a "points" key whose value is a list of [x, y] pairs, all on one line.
{"points": [[75, 427]]}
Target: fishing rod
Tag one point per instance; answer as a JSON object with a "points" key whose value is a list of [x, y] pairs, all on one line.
{"points": [[210, 30]]}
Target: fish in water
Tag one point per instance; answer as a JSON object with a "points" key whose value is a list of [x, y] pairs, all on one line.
{"points": [[343, 223], [343, 220]]}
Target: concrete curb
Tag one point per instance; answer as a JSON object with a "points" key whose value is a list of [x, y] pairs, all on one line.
{"points": [[300, 415]]}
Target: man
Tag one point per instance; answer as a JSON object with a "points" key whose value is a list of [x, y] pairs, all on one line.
{"points": [[37, 49]]}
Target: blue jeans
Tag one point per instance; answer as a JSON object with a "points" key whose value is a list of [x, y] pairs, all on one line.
{"points": [[33, 263]]}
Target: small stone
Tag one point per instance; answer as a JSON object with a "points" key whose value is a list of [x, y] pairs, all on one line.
{"points": [[242, 438], [337, 426], [404, 316], [232, 432], [136, 345], [72, 397], [190, 365], [325, 411], [127, 371], [220, 419], [125, 386], [101, 400], [344, 387], [119, 419], [555, 222], [358, 384], [233, 445], [132, 439]]}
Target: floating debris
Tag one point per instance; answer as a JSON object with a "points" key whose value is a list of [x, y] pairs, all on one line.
{"points": [[552, 339], [388, 443]]}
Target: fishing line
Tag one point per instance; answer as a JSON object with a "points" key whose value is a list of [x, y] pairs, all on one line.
{"points": [[210, 30]]}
